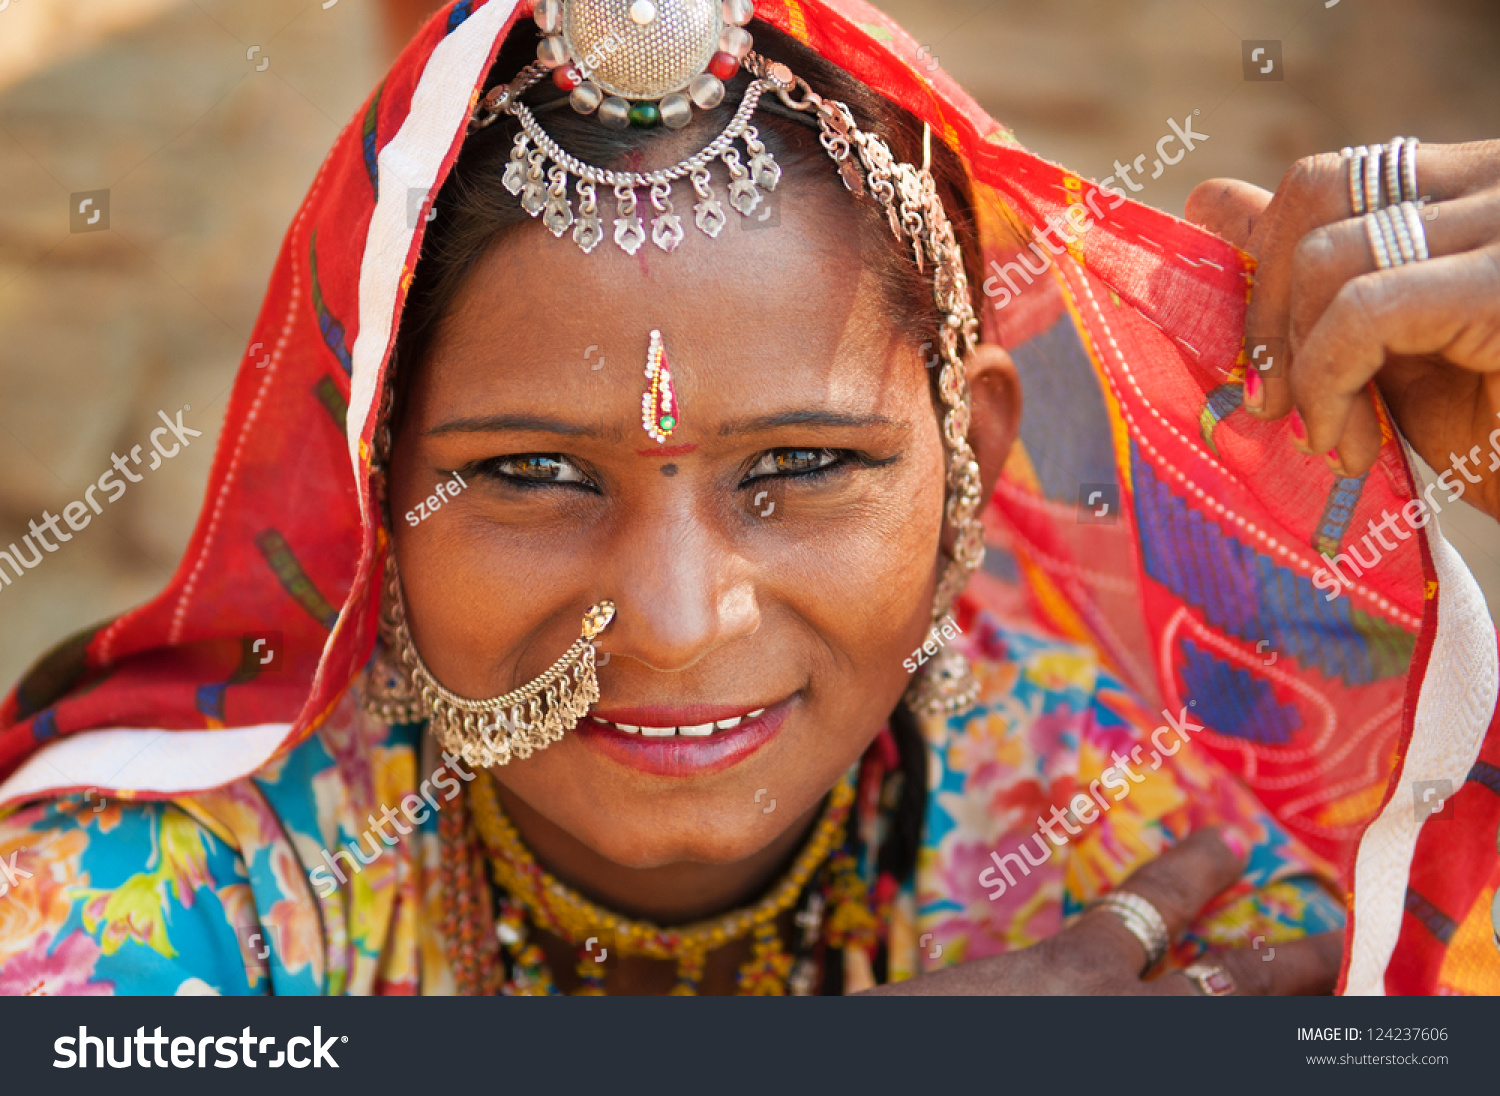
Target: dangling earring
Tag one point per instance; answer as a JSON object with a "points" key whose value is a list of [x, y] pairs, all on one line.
{"points": [[659, 401], [489, 732]]}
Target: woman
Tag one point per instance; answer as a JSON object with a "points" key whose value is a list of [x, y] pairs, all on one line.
{"points": [[725, 783]]}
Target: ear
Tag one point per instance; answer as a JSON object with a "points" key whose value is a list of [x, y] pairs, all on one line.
{"points": [[995, 399]]}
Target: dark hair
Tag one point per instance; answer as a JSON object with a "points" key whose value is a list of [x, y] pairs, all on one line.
{"points": [[473, 209]]}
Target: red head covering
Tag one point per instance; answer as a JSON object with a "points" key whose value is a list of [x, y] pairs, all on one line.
{"points": [[1192, 564]]}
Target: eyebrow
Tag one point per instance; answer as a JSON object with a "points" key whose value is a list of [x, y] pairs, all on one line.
{"points": [[534, 424], [800, 418]]}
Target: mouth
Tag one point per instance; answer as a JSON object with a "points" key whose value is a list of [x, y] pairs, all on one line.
{"points": [[682, 741]]}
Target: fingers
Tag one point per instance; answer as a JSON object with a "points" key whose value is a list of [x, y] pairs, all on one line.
{"points": [[1329, 257], [1315, 193], [1312, 194], [1228, 208], [1296, 968], [1179, 883], [1448, 306]]}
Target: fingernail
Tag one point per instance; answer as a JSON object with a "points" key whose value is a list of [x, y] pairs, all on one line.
{"points": [[1236, 843], [1253, 388], [1332, 456], [1299, 429]]}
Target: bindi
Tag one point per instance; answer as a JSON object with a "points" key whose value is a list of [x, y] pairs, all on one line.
{"points": [[669, 469]]}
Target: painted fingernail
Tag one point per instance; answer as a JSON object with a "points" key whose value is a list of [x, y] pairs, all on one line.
{"points": [[1332, 456], [1236, 843], [1299, 429], [1254, 389]]}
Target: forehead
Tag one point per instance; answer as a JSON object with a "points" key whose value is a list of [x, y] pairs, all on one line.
{"points": [[791, 309]]}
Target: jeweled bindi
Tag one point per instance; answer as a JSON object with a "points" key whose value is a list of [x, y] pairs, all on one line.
{"points": [[659, 402]]}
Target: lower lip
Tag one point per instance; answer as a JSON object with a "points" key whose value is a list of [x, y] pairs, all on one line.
{"points": [[685, 755]]}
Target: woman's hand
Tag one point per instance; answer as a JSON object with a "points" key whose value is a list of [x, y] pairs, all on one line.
{"points": [[1097, 955], [1427, 333]]}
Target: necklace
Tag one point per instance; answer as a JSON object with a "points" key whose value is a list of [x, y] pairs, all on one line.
{"points": [[531, 893]]}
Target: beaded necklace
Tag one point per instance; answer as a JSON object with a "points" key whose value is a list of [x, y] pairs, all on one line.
{"points": [[477, 924]]}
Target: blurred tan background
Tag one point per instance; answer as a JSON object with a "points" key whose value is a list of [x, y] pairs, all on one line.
{"points": [[205, 120]]}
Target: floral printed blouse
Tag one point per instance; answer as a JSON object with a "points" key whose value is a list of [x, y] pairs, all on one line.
{"points": [[319, 874]]}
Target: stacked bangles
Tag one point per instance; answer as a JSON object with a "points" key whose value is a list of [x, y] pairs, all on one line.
{"points": [[1383, 191], [1382, 175]]}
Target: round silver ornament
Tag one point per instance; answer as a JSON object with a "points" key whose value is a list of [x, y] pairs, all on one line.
{"points": [[642, 60]]}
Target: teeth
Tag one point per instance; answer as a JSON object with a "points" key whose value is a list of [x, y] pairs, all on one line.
{"points": [[701, 730]]}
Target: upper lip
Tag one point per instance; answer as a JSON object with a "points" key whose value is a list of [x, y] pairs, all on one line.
{"points": [[686, 715]]}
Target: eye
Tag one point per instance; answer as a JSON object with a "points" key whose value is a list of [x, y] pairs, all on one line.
{"points": [[534, 469], [794, 462]]}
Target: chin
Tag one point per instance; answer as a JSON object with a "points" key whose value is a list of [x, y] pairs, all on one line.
{"points": [[644, 847]]}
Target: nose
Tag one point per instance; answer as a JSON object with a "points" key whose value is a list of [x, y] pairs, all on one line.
{"points": [[681, 588]]}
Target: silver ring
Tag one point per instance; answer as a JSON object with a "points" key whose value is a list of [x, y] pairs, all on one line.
{"points": [[1142, 920], [1395, 217], [1409, 191], [1377, 241], [1400, 256], [1210, 979], [1393, 161], [1356, 158], [1372, 178], [1412, 214]]}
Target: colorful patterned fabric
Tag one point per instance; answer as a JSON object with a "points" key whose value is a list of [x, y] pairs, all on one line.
{"points": [[1195, 568], [234, 891]]}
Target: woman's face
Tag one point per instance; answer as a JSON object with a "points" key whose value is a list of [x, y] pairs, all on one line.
{"points": [[778, 554]]}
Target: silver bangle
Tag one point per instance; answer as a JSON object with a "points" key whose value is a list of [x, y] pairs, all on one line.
{"points": [[1142, 920]]}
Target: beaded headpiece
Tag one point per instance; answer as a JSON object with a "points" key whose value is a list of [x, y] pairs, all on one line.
{"points": [[651, 62]]}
